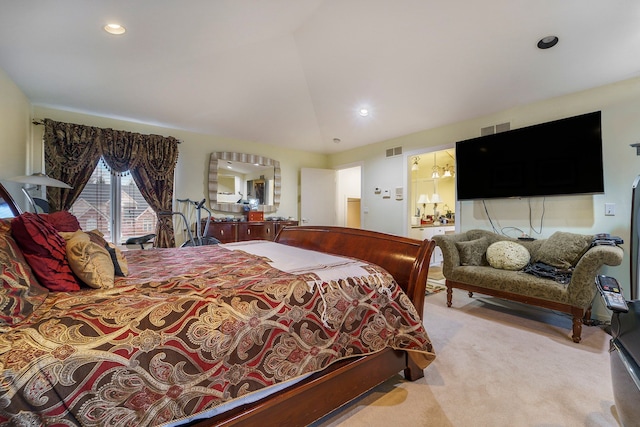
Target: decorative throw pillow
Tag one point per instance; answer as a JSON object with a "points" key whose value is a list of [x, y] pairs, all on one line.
{"points": [[562, 249], [507, 255], [472, 252], [90, 261], [120, 264], [44, 250], [119, 261], [20, 292], [62, 221]]}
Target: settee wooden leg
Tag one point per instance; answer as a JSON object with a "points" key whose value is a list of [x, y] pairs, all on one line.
{"points": [[587, 320], [449, 295], [577, 328]]}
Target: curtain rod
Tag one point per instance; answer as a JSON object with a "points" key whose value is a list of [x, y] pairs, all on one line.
{"points": [[41, 122]]}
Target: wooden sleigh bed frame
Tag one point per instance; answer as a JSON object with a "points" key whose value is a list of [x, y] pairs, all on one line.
{"points": [[407, 260]]}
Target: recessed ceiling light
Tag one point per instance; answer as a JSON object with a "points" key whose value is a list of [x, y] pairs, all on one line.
{"points": [[547, 42], [116, 29], [364, 112]]}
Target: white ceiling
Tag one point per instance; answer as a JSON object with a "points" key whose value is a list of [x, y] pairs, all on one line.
{"points": [[294, 73]]}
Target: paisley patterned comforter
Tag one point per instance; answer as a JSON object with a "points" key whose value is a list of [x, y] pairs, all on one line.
{"points": [[190, 329]]}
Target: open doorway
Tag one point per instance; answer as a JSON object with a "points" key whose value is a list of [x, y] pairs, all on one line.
{"points": [[353, 213], [331, 197], [432, 188], [432, 198], [349, 194]]}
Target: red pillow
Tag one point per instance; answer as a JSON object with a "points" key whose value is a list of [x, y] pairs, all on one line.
{"points": [[62, 221], [45, 251]]}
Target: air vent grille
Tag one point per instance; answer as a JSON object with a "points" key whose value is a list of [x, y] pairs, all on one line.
{"points": [[490, 130], [503, 127], [395, 151]]}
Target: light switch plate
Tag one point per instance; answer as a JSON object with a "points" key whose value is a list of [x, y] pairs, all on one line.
{"points": [[609, 209]]}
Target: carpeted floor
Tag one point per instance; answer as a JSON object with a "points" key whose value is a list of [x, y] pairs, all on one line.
{"points": [[498, 364]]}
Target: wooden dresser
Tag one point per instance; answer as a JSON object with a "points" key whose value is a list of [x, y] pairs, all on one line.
{"points": [[238, 231]]}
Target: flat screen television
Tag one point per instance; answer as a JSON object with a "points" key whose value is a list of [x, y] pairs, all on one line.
{"points": [[556, 158]]}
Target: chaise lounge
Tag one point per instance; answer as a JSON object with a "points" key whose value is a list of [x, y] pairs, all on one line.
{"points": [[471, 263]]}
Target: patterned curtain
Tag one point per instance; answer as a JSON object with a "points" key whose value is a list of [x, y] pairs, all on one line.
{"points": [[154, 177], [73, 151]]}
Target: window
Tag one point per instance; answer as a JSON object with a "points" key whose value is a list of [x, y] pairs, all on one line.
{"points": [[113, 204]]}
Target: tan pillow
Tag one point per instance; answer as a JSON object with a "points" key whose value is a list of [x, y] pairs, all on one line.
{"points": [[119, 261], [507, 255], [472, 252], [562, 249], [90, 261]]}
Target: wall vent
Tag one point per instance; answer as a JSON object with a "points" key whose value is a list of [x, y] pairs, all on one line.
{"points": [[503, 127], [490, 130], [395, 151]]}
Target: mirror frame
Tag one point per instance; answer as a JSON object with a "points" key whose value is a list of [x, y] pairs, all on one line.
{"points": [[242, 158]]}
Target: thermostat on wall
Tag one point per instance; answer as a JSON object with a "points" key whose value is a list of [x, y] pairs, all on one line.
{"points": [[399, 193]]}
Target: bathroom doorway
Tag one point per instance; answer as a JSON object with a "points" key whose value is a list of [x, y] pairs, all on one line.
{"points": [[432, 197]]}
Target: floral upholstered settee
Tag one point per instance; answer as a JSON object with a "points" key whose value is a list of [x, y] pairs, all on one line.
{"points": [[569, 263]]}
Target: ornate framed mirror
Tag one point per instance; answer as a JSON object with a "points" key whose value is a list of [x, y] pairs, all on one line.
{"points": [[240, 179]]}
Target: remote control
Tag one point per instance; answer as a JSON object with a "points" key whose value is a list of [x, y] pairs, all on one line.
{"points": [[611, 293]]}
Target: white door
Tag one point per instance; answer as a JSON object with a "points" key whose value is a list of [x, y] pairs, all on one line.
{"points": [[318, 196]]}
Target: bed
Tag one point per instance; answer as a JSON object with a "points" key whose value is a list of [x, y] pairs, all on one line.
{"points": [[191, 330]]}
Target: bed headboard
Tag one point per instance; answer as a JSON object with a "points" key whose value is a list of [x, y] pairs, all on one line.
{"points": [[8, 206], [407, 260]]}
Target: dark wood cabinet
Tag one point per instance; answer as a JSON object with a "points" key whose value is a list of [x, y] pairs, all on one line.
{"points": [[255, 230], [238, 231], [226, 232]]}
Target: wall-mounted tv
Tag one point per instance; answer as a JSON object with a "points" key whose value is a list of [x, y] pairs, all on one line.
{"points": [[555, 158]]}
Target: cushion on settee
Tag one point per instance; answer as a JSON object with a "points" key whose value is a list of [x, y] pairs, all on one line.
{"points": [[472, 252], [20, 292], [44, 250], [507, 255], [562, 249]]}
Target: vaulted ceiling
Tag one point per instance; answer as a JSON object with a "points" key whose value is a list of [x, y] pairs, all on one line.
{"points": [[295, 73]]}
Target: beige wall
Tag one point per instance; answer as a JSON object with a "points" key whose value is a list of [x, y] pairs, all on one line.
{"points": [[14, 134]]}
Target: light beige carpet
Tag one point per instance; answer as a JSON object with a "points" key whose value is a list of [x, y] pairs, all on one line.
{"points": [[498, 364]]}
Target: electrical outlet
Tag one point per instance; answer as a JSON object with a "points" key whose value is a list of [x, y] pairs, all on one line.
{"points": [[609, 209]]}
